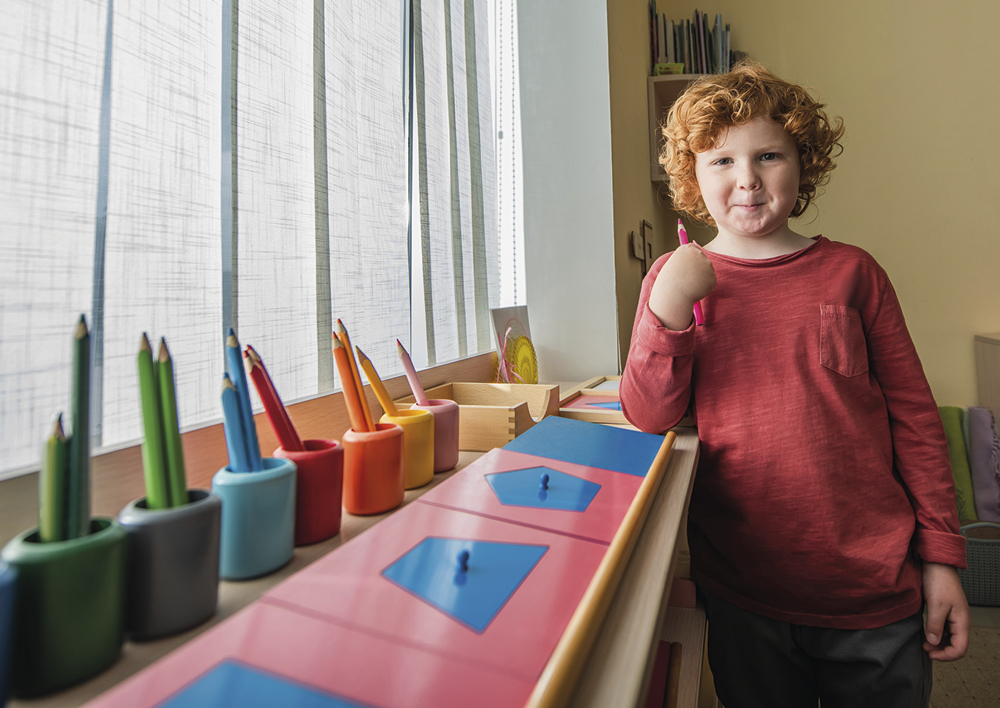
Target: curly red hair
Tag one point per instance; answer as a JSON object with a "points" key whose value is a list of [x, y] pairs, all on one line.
{"points": [[718, 101]]}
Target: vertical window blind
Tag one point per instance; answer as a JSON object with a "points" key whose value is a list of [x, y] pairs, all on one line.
{"points": [[184, 167]]}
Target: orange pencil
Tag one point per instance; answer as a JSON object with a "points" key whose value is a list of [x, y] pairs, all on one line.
{"points": [[345, 339], [357, 416], [287, 436]]}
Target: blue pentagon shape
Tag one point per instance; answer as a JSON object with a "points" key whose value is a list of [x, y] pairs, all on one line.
{"points": [[432, 571], [233, 684], [565, 492]]}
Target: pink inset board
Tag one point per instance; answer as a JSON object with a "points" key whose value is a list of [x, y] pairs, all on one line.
{"points": [[347, 587], [326, 657], [470, 491]]}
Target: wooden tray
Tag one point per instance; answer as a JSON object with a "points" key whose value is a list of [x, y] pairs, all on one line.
{"points": [[491, 415], [578, 402]]}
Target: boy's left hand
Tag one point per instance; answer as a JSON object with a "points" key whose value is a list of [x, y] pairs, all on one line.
{"points": [[947, 626]]}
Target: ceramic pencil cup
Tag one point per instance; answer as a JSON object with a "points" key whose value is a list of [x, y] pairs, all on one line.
{"points": [[69, 621], [173, 565], [418, 445], [8, 591], [445, 414], [373, 469], [258, 519], [319, 486]]}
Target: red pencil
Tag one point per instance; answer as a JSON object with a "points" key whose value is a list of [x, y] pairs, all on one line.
{"points": [[285, 431]]}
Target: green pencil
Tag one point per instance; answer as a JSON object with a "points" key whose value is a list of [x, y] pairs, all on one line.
{"points": [[176, 481], [52, 486], [153, 453], [78, 494]]}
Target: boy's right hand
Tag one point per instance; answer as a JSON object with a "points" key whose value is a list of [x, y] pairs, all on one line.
{"points": [[686, 278]]}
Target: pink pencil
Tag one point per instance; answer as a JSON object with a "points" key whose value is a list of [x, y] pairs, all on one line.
{"points": [[683, 236], [411, 376]]}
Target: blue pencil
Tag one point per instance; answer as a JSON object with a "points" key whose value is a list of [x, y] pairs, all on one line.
{"points": [[232, 423], [234, 359]]}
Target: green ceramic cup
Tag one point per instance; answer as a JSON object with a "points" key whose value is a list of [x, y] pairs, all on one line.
{"points": [[69, 619]]}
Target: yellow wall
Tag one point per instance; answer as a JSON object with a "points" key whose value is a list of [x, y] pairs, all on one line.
{"points": [[917, 185]]}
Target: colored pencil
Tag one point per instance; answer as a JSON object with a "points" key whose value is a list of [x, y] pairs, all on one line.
{"points": [[411, 375], [287, 436], [234, 358], [682, 236], [345, 339], [174, 459], [154, 455], [52, 486], [354, 412], [78, 494], [373, 378], [232, 424]]}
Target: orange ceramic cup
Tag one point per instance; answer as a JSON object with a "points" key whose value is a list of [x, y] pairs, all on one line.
{"points": [[373, 469], [418, 445], [445, 432], [318, 489]]}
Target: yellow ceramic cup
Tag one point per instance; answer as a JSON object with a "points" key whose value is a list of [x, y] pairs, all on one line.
{"points": [[418, 445]]}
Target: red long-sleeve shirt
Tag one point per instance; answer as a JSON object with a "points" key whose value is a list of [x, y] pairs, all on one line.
{"points": [[824, 477]]}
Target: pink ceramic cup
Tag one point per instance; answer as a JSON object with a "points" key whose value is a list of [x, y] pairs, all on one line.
{"points": [[445, 432]]}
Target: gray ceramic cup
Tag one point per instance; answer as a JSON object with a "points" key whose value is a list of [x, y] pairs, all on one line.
{"points": [[173, 565]]}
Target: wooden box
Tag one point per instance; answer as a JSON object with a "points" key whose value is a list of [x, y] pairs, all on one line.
{"points": [[586, 402], [491, 415]]}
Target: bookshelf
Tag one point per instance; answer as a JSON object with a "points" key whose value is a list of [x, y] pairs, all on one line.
{"points": [[662, 92]]}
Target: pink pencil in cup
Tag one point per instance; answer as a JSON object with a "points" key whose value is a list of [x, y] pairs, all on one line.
{"points": [[683, 236], [411, 376]]}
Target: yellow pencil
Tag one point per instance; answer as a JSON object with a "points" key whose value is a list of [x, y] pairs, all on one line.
{"points": [[380, 393]]}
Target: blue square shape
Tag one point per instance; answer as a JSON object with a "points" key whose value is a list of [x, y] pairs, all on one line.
{"points": [[234, 684], [431, 571]]}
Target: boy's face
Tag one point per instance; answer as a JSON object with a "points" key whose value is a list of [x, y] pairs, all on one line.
{"points": [[750, 179]]}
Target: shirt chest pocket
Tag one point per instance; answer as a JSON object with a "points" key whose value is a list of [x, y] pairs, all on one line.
{"points": [[842, 345]]}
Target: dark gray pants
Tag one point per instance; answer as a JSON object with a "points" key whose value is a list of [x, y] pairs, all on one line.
{"points": [[763, 663]]}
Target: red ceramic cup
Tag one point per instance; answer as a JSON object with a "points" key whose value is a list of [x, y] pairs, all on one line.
{"points": [[318, 489]]}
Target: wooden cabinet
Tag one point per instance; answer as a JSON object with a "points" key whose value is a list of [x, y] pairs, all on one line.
{"points": [[662, 92]]}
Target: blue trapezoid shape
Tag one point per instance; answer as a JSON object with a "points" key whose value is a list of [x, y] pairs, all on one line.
{"points": [[233, 684], [591, 444], [564, 492], [431, 570]]}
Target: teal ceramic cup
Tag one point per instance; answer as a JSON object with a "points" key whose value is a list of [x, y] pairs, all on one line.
{"points": [[8, 592], [258, 519], [173, 565], [69, 621]]}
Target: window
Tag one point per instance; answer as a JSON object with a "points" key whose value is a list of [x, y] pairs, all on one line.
{"points": [[184, 167]]}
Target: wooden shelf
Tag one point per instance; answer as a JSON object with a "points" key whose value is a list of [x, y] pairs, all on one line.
{"points": [[662, 92], [687, 626]]}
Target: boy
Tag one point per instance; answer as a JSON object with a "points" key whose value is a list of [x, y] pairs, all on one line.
{"points": [[823, 515]]}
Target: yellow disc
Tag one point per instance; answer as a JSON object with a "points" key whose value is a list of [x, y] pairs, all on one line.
{"points": [[521, 354]]}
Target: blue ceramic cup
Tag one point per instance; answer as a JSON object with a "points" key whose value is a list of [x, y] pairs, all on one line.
{"points": [[258, 519]]}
